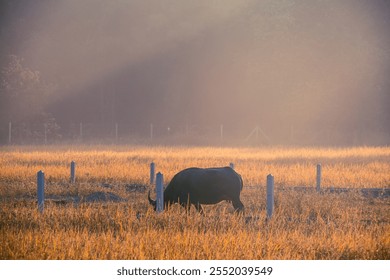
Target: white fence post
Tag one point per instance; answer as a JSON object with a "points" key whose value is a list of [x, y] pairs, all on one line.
{"points": [[45, 133], [81, 131], [160, 192], [152, 170], [72, 172], [41, 190], [116, 132], [9, 133], [318, 181], [270, 195]]}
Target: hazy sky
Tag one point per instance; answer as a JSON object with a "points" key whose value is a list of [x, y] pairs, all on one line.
{"points": [[311, 64]]}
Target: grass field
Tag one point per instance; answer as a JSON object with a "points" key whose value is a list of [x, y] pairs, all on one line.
{"points": [[305, 225]]}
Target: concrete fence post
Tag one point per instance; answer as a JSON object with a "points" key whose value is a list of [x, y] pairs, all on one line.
{"points": [[9, 133], [270, 195], [81, 131], [116, 132], [45, 132], [41, 190], [318, 179], [152, 172], [72, 172], [160, 192]]}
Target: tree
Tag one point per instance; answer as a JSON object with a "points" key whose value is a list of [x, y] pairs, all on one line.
{"points": [[23, 99]]}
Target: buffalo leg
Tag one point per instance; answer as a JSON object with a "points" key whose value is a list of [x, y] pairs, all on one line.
{"points": [[186, 206], [238, 206], [199, 208]]}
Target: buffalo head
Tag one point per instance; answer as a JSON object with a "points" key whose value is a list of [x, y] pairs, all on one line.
{"points": [[152, 202]]}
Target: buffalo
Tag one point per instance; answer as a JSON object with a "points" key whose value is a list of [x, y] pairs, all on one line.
{"points": [[203, 186]]}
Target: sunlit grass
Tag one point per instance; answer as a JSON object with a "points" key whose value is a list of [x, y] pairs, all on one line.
{"points": [[305, 225]]}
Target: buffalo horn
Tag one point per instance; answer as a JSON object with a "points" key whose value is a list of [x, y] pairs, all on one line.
{"points": [[151, 201]]}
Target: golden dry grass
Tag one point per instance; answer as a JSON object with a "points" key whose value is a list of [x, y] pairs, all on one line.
{"points": [[305, 225]]}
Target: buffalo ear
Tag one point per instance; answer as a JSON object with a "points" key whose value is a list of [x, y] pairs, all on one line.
{"points": [[151, 201]]}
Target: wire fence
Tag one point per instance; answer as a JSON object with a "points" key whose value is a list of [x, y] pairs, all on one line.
{"points": [[185, 134], [51, 133]]}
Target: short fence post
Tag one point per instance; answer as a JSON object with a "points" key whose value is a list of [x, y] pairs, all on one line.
{"points": [[72, 172], [318, 181], [41, 190], [9, 133], [116, 132], [45, 133], [81, 131], [231, 165], [152, 171], [160, 192], [270, 195]]}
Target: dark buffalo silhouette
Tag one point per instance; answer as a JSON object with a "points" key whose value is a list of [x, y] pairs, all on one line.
{"points": [[203, 186]]}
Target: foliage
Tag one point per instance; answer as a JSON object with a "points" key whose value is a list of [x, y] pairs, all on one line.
{"points": [[24, 97]]}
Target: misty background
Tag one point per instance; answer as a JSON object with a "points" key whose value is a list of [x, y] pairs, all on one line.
{"points": [[307, 72]]}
